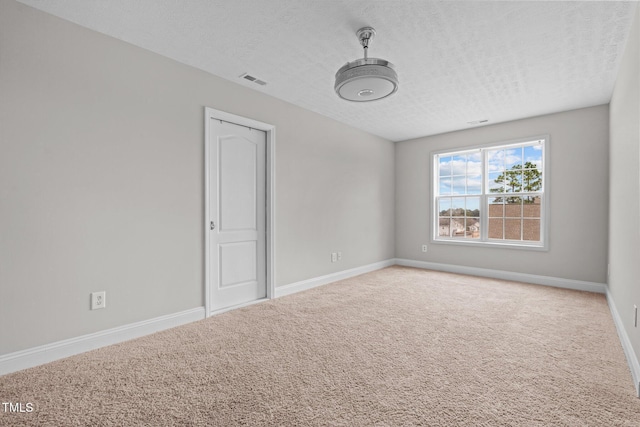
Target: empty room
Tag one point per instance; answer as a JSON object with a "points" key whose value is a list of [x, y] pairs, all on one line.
{"points": [[306, 213]]}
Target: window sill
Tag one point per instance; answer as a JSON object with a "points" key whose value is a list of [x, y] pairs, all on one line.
{"points": [[490, 244]]}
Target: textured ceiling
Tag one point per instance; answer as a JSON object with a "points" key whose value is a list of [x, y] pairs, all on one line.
{"points": [[457, 61]]}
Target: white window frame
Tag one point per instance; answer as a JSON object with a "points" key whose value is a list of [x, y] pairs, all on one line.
{"points": [[483, 240]]}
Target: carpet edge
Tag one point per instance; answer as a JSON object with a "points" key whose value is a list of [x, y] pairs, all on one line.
{"points": [[46, 353], [303, 285], [632, 359], [555, 282]]}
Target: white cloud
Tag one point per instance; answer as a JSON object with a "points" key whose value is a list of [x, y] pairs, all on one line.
{"points": [[500, 160], [461, 166]]}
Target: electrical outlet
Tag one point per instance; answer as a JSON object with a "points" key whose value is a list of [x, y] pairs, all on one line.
{"points": [[334, 257], [339, 256], [424, 248], [98, 300]]}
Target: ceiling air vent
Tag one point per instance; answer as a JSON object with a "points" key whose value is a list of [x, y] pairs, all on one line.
{"points": [[253, 79], [478, 122]]}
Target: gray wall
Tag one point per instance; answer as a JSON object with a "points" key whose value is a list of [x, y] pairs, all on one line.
{"points": [[577, 182], [624, 225], [102, 180]]}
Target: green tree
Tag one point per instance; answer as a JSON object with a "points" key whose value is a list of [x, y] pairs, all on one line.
{"points": [[519, 179], [531, 177]]}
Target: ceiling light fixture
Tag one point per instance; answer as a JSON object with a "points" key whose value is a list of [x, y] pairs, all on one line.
{"points": [[366, 79]]}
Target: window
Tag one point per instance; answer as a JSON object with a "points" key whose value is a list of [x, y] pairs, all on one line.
{"points": [[491, 195]]}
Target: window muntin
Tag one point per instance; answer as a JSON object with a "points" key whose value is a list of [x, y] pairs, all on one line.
{"points": [[492, 194]]}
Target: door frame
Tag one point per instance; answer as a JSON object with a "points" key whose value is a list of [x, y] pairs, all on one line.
{"points": [[270, 130]]}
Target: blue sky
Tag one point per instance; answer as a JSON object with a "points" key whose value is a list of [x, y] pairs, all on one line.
{"points": [[462, 173]]}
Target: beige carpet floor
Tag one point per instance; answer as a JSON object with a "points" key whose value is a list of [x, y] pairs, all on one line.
{"points": [[395, 347]]}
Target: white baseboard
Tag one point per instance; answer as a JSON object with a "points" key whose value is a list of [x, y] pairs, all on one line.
{"points": [[35, 356], [557, 282], [632, 359], [303, 285], [49, 352]]}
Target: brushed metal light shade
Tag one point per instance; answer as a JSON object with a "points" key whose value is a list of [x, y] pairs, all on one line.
{"points": [[366, 79]]}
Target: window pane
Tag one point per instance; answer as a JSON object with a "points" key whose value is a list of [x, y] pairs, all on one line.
{"points": [[531, 180], [459, 164], [474, 184], [457, 206], [513, 157], [531, 207], [473, 217], [445, 186], [495, 228], [512, 229], [531, 229], [496, 207], [444, 166], [444, 207], [444, 228], [473, 206], [459, 185], [533, 155], [474, 163], [496, 182], [513, 181], [513, 208], [496, 160], [472, 228], [457, 227]]}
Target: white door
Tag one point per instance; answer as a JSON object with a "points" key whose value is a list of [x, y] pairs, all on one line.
{"points": [[237, 210]]}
